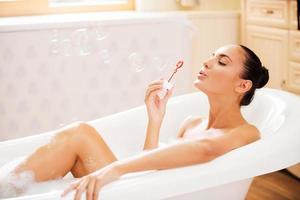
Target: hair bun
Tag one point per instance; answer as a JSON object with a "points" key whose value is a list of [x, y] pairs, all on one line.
{"points": [[264, 77]]}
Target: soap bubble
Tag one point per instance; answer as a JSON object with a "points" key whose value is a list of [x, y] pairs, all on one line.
{"points": [[66, 47], [81, 40], [100, 36], [54, 46], [167, 64], [105, 56], [100, 32], [13, 185], [136, 62], [54, 43], [157, 63]]}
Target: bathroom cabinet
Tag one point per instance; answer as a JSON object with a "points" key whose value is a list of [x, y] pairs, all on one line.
{"points": [[269, 27], [271, 46]]}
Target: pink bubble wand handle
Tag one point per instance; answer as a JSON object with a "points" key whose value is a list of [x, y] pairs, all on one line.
{"points": [[178, 65]]}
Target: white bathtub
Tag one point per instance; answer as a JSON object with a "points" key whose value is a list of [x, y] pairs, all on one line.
{"points": [[274, 112]]}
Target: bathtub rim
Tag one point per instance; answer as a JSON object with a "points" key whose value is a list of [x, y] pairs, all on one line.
{"points": [[251, 149]]}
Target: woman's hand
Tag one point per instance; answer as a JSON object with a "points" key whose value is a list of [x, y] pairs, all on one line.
{"points": [[156, 107], [92, 183]]}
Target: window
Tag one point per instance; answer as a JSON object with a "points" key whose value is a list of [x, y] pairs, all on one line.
{"points": [[37, 7]]}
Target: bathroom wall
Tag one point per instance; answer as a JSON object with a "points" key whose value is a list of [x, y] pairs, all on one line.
{"points": [[219, 5], [53, 74], [58, 69]]}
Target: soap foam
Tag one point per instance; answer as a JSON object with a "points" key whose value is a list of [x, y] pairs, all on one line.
{"points": [[11, 184], [15, 185]]}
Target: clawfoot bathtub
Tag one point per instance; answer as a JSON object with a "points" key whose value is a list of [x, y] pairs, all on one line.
{"points": [[276, 113]]}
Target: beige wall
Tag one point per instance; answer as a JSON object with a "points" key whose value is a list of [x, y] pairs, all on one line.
{"points": [[218, 5], [166, 5]]}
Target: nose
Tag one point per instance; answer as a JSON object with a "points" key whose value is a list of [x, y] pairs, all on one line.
{"points": [[206, 63]]}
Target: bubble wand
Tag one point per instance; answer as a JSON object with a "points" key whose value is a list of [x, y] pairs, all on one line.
{"points": [[166, 84], [178, 65]]}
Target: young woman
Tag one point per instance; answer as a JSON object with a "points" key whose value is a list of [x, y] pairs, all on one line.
{"points": [[229, 78]]}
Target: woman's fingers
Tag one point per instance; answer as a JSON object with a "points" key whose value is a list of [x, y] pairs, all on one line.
{"points": [[81, 188], [90, 189], [156, 82], [167, 96], [170, 92], [152, 89], [73, 186], [97, 189]]}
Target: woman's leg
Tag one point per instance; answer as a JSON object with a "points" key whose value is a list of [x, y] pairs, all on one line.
{"points": [[78, 148]]}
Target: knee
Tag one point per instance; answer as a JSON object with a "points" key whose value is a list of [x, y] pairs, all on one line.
{"points": [[84, 127], [73, 135], [85, 130], [75, 130]]}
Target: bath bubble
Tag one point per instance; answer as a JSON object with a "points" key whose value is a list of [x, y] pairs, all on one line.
{"points": [[167, 64], [100, 36], [54, 43], [66, 47], [11, 184], [100, 32], [105, 56], [81, 41], [157, 63], [136, 62], [54, 46]]}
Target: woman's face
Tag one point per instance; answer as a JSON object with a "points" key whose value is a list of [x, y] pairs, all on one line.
{"points": [[220, 74]]}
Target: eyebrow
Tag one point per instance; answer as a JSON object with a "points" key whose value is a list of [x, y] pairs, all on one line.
{"points": [[222, 55]]}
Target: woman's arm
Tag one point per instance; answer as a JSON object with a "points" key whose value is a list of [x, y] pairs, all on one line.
{"points": [[152, 136], [156, 109], [189, 152], [185, 153]]}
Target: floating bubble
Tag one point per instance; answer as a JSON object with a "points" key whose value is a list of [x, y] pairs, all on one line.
{"points": [[100, 36], [136, 62], [157, 63], [81, 40], [100, 32], [54, 46], [167, 64], [55, 34], [105, 56], [66, 47], [54, 43]]}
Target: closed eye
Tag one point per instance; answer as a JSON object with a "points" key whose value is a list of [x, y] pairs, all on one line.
{"points": [[221, 63]]}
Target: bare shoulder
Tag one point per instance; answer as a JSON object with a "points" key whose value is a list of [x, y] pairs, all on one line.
{"points": [[235, 138], [188, 122], [248, 132]]}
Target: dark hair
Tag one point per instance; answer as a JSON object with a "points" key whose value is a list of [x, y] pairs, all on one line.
{"points": [[254, 71]]}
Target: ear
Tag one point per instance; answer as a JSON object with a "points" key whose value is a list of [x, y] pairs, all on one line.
{"points": [[243, 86]]}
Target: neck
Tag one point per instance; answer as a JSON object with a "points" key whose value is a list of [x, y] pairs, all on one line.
{"points": [[224, 112]]}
